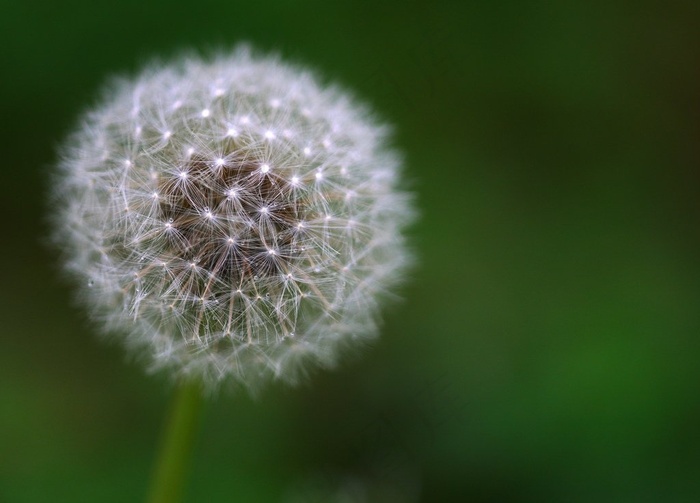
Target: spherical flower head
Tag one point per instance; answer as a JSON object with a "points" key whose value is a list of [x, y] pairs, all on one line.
{"points": [[231, 218]]}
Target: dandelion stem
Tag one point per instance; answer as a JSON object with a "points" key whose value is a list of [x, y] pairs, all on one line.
{"points": [[168, 482]]}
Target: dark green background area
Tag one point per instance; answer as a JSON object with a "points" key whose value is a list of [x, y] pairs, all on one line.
{"points": [[547, 346]]}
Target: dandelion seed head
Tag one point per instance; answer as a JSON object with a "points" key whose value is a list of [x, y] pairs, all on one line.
{"points": [[222, 252]]}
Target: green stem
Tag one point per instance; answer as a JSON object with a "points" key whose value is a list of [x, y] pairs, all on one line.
{"points": [[168, 480]]}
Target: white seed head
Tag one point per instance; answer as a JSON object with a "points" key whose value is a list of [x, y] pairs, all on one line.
{"points": [[231, 218]]}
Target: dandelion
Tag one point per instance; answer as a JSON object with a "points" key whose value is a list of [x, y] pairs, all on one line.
{"points": [[232, 219]]}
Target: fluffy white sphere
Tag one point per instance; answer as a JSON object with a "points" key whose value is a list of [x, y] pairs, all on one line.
{"points": [[231, 218]]}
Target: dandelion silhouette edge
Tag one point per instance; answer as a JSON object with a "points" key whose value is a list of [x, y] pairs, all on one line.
{"points": [[231, 218]]}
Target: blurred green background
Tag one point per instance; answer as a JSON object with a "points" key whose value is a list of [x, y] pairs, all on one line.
{"points": [[547, 347]]}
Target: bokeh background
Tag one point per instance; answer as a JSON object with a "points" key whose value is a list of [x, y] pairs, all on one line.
{"points": [[547, 346]]}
